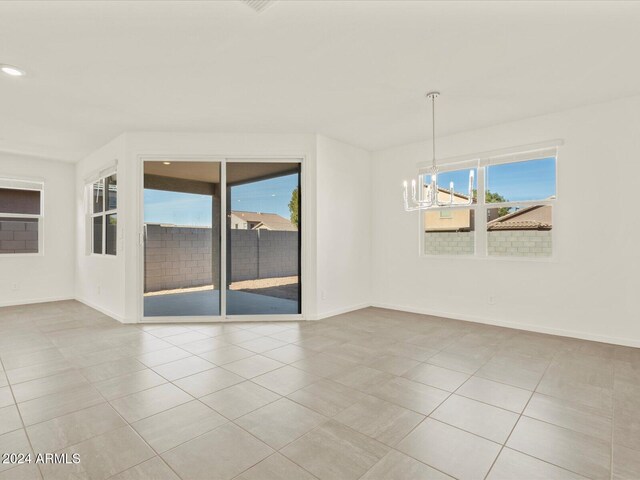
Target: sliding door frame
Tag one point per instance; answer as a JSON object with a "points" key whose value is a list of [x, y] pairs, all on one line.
{"points": [[223, 160]]}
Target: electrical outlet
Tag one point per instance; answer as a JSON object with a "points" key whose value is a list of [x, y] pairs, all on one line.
{"points": [[491, 299], [98, 289], [323, 295], [15, 287]]}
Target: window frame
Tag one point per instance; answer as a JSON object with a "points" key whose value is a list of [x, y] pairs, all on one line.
{"points": [[481, 163], [11, 183], [103, 215]]}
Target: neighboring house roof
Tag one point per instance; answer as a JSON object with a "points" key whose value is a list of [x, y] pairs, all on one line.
{"points": [[269, 221], [444, 196], [536, 217]]}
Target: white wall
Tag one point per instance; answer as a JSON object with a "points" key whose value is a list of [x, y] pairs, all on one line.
{"points": [[219, 145], [344, 227], [590, 291], [100, 280], [49, 276]]}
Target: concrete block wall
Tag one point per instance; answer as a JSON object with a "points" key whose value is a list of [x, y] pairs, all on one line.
{"points": [[180, 257], [519, 243], [18, 236], [177, 257], [278, 254], [449, 243], [244, 254]]}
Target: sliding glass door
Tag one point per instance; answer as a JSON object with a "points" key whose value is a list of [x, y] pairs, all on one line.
{"points": [[263, 238], [182, 206], [190, 252]]}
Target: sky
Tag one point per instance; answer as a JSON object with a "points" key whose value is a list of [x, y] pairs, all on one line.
{"points": [[519, 181], [267, 196]]}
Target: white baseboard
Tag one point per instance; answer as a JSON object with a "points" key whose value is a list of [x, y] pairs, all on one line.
{"points": [[13, 303], [101, 310], [338, 311], [517, 326]]}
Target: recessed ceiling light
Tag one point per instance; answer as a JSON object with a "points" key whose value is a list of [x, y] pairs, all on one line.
{"points": [[12, 71], [166, 163]]}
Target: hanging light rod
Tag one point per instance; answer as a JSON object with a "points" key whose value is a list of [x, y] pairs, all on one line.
{"points": [[429, 195]]}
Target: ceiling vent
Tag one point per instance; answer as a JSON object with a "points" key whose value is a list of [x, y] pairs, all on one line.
{"points": [[258, 5]]}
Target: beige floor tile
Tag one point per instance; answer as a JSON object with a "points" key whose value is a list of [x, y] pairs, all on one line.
{"points": [[239, 399], [512, 465], [485, 420], [625, 464], [76, 427], [288, 353], [209, 381], [13, 442], [408, 350], [224, 355], [386, 422], [107, 370], [9, 419], [26, 471], [149, 402], [6, 397], [454, 361], [327, 397], [318, 343], [397, 466], [205, 345], [286, 380], [238, 336], [128, 384], [154, 469], [159, 357], [19, 360], [177, 425], [435, 376], [280, 422], [567, 389], [393, 364], [58, 404], [626, 428], [32, 372], [253, 366], [334, 451], [4, 381], [185, 338], [494, 393], [220, 454], [450, 450], [409, 394], [262, 344], [104, 456], [48, 385], [565, 448], [516, 370], [361, 377], [276, 467], [183, 368], [571, 415], [323, 365]]}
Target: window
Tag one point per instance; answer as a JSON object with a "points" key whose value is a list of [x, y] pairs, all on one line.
{"points": [[520, 197], [512, 206], [451, 230], [104, 216], [21, 216]]}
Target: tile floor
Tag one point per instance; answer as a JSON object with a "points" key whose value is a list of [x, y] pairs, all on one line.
{"points": [[373, 394]]}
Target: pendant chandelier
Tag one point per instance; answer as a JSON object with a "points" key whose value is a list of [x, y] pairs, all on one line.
{"points": [[429, 195]]}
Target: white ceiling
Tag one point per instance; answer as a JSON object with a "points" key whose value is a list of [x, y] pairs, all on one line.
{"points": [[355, 71]]}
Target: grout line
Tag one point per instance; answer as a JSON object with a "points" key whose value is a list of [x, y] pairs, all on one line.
{"points": [[24, 428]]}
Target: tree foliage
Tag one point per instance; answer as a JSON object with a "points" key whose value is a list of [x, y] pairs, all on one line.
{"points": [[492, 197], [294, 204]]}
